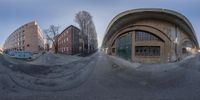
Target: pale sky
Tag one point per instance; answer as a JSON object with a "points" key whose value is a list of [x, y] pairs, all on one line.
{"points": [[14, 13]]}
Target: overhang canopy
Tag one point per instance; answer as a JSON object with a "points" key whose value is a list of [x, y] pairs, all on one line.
{"points": [[126, 18]]}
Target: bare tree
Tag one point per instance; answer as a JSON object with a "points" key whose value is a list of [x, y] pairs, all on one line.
{"points": [[52, 35], [84, 19], [93, 36]]}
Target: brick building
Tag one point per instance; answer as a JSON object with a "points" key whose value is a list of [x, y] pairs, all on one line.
{"points": [[69, 41]]}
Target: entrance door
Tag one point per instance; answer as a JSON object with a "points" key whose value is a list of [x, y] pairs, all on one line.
{"points": [[123, 46]]}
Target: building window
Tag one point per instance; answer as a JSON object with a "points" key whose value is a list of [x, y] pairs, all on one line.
{"points": [[145, 36], [113, 50], [147, 50], [23, 42], [184, 51], [123, 46], [23, 48], [67, 49]]}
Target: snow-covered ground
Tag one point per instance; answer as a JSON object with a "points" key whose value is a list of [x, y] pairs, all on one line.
{"points": [[146, 74], [54, 59], [149, 67], [122, 62], [13, 60], [46, 59], [51, 77]]}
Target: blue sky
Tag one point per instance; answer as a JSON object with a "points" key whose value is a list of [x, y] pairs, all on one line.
{"points": [[14, 13]]}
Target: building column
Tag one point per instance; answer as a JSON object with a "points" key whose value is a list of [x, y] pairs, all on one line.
{"points": [[133, 46]]}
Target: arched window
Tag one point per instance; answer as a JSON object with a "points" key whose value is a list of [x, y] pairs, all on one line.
{"points": [[146, 36], [186, 46]]}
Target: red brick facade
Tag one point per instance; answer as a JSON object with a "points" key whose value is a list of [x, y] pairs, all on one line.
{"points": [[68, 41]]}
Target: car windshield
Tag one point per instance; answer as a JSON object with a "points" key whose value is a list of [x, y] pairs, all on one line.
{"points": [[99, 50]]}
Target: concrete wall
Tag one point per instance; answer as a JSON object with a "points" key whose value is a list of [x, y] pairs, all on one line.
{"points": [[171, 48], [172, 31]]}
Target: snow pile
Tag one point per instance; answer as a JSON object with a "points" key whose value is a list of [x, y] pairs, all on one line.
{"points": [[188, 57], [13, 60], [158, 67], [35, 56], [122, 62]]}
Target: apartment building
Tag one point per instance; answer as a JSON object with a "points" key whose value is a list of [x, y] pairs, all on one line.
{"points": [[69, 41], [28, 37]]}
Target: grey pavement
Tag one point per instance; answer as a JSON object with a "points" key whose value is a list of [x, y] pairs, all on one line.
{"points": [[100, 78]]}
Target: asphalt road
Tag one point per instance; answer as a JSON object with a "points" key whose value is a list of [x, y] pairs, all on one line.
{"points": [[99, 78]]}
